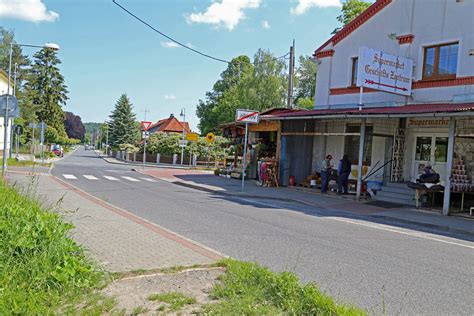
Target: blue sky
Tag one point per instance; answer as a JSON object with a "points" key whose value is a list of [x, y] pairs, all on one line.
{"points": [[105, 52]]}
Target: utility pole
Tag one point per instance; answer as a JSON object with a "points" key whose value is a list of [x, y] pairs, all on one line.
{"points": [[183, 114], [107, 139], [144, 141], [291, 74]]}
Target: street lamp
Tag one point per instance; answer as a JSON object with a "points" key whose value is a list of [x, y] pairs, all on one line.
{"points": [[5, 136], [182, 114]]}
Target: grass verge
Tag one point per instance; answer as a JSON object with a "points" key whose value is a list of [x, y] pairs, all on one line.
{"points": [[24, 163], [175, 300], [41, 268], [249, 289]]}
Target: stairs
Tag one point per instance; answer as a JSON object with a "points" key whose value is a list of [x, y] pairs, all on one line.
{"points": [[396, 193]]}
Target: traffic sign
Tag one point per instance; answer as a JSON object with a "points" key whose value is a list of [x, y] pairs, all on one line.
{"points": [[210, 137], [183, 143], [192, 137], [145, 125], [247, 116], [18, 129], [146, 135], [12, 102]]}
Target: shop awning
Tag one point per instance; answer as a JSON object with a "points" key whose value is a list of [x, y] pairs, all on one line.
{"points": [[411, 110]]}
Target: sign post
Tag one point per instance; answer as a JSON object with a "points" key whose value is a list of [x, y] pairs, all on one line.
{"points": [[42, 130], [247, 117], [145, 126]]}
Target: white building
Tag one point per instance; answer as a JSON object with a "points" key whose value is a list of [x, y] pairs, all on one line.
{"points": [[402, 133], [3, 90]]}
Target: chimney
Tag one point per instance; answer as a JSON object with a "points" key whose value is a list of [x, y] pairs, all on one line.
{"points": [[171, 115]]}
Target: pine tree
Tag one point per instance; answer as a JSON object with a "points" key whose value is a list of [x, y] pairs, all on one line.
{"points": [[47, 91], [122, 127]]}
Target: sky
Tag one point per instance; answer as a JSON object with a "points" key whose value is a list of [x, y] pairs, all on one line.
{"points": [[106, 53]]}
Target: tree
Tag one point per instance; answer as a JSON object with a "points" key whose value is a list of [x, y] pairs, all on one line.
{"points": [[47, 90], [305, 82], [210, 110], [122, 127], [74, 127], [256, 86], [350, 10]]}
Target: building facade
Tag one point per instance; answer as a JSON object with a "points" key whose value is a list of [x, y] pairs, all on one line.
{"points": [[391, 136]]}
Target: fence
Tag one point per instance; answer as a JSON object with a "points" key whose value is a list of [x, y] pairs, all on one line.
{"points": [[167, 159]]}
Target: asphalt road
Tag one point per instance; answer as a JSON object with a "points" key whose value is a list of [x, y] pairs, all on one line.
{"points": [[383, 268]]}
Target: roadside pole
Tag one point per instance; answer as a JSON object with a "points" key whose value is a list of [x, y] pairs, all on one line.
{"points": [[247, 117], [42, 128], [144, 149], [5, 122], [244, 162]]}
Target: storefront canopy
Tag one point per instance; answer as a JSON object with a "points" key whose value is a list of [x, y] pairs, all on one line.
{"points": [[411, 110]]}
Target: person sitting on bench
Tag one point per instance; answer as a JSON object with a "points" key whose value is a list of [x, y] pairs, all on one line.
{"points": [[430, 176]]}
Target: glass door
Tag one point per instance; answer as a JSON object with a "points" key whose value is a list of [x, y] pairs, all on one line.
{"points": [[431, 150]]}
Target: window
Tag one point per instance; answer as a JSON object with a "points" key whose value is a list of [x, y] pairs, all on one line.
{"points": [[441, 149], [355, 64], [440, 62], [423, 149], [352, 144]]}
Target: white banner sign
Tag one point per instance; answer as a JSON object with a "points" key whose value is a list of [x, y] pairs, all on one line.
{"points": [[247, 116], [381, 71]]}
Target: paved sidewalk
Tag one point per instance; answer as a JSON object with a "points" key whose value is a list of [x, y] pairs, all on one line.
{"points": [[118, 239], [206, 181]]}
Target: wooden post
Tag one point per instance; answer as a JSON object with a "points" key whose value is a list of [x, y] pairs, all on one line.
{"points": [[361, 158], [449, 166]]}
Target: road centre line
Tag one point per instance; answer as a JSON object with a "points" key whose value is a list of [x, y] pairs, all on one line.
{"points": [[374, 226]]}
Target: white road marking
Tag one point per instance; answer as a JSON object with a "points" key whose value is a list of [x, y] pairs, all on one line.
{"points": [[111, 178], [378, 226], [89, 177], [148, 179], [131, 179], [69, 176]]}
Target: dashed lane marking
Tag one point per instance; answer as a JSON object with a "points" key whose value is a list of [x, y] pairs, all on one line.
{"points": [[148, 179], [69, 176], [111, 178], [89, 177], [130, 179]]}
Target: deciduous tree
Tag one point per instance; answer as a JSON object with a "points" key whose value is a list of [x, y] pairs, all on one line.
{"points": [[350, 10], [74, 127]]}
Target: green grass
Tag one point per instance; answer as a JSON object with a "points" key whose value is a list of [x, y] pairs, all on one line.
{"points": [[42, 270], [24, 163], [175, 300], [140, 310], [249, 289]]}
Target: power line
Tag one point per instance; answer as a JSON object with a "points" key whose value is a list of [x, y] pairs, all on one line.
{"points": [[169, 37], [183, 45]]}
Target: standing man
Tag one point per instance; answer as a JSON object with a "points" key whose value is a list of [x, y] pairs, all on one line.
{"points": [[325, 173], [343, 171]]}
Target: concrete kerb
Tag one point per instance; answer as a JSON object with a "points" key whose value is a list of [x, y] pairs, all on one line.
{"points": [[440, 227], [184, 241], [388, 219]]}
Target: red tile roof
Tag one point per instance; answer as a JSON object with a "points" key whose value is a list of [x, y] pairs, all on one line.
{"points": [[358, 21], [411, 109], [170, 125]]}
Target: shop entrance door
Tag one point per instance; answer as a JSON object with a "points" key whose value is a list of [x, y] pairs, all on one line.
{"points": [[433, 150]]}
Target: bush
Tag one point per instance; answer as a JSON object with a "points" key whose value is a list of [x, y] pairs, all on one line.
{"points": [[40, 266]]}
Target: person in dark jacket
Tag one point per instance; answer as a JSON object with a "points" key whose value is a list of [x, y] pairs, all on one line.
{"points": [[343, 171]]}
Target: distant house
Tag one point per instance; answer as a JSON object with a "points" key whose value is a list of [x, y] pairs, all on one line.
{"points": [[169, 125]]}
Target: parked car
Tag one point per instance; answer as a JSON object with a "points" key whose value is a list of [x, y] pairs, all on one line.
{"points": [[58, 150], [87, 147]]}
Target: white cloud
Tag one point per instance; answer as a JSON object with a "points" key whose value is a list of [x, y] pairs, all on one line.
{"points": [[28, 10], [170, 97], [305, 5], [265, 24], [169, 44], [226, 12]]}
